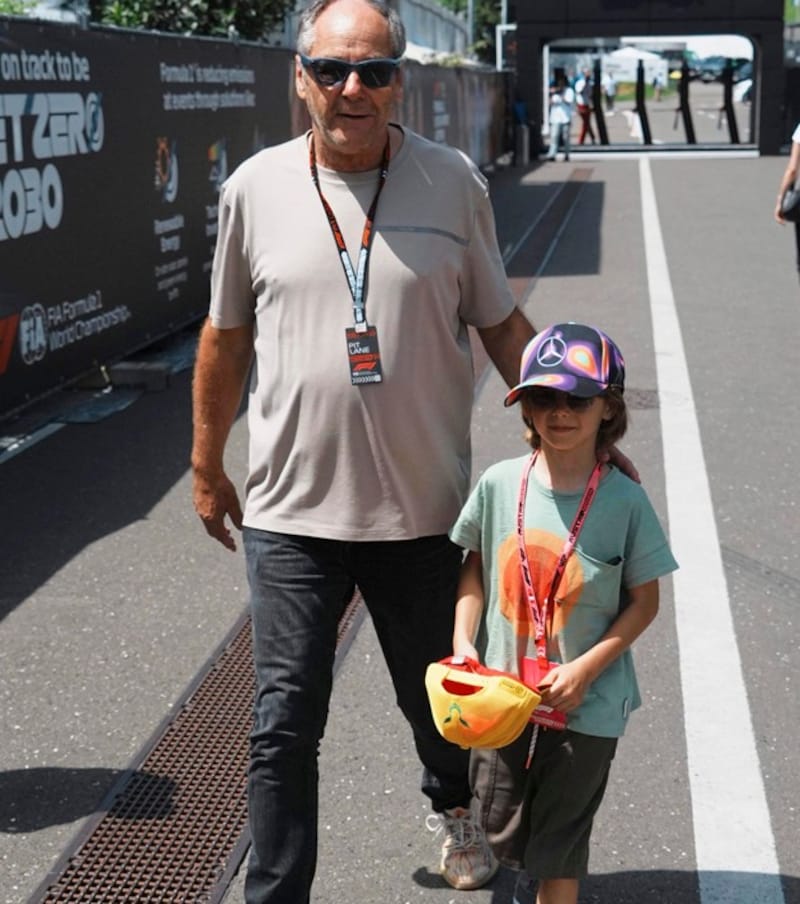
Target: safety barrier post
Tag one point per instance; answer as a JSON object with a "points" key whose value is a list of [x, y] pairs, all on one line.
{"points": [[683, 108], [727, 103], [641, 106], [597, 103]]}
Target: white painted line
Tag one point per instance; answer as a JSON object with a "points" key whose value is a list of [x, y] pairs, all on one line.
{"points": [[734, 844]]}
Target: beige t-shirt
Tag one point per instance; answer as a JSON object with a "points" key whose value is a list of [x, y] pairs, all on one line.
{"points": [[385, 461]]}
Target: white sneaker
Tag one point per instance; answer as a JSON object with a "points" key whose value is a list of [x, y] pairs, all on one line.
{"points": [[467, 860]]}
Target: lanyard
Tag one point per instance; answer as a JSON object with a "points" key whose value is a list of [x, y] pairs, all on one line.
{"points": [[540, 612], [355, 280]]}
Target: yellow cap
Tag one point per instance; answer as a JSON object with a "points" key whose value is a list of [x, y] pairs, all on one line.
{"points": [[474, 706]]}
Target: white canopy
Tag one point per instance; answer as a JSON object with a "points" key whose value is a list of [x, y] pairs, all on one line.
{"points": [[633, 53], [623, 65]]}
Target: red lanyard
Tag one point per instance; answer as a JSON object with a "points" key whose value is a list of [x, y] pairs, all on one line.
{"points": [[539, 612], [356, 281]]}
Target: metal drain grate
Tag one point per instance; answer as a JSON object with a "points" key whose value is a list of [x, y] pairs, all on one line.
{"points": [[175, 830]]}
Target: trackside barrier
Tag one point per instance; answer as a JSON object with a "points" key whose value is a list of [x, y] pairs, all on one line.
{"points": [[113, 145]]}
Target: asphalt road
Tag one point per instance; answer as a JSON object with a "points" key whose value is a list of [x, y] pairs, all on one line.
{"points": [[112, 598]]}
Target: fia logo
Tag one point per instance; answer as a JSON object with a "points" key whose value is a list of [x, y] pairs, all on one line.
{"points": [[33, 334]]}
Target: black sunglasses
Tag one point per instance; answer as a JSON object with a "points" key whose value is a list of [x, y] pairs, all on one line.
{"points": [[328, 72], [550, 398]]}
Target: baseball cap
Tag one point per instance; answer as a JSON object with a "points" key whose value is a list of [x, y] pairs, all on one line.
{"points": [[474, 706], [572, 357]]}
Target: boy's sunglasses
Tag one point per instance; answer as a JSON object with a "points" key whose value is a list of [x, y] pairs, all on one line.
{"points": [[328, 72], [550, 398]]}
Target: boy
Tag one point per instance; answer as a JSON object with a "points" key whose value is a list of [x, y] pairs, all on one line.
{"points": [[561, 576]]}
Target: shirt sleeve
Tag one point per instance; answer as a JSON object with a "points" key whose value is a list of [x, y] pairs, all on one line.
{"points": [[467, 532], [232, 297], [647, 556]]}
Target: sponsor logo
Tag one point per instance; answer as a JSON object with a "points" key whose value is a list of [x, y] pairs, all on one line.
{"points": [[33, 333], [166, 169], [218, 158], [552, 352]]}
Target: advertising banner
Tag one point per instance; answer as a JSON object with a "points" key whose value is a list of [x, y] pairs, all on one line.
{"points": [[113, 145], [465, 108], [112, 150]]}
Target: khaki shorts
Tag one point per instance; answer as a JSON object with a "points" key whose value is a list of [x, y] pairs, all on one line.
{"points": [[540, 819]]}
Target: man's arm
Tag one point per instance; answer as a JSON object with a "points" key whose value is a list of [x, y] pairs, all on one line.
{"points": [[505, 342], [221, 368]]}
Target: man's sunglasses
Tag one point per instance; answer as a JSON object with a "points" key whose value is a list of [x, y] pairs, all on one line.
{"points": [[550, 398], [328, 72]]}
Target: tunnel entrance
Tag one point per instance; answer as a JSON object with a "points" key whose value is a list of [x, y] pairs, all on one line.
{"points": [[546, 28], [667, 92]]}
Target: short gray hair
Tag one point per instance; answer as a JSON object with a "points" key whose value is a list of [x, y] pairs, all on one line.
{"points": [[309, 16]]}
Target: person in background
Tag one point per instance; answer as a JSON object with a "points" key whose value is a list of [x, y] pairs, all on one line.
{"points": [[558, 605], [584, 103], [352, 307], [560, 118], [610, 91], [658, 86], [788, 180]]}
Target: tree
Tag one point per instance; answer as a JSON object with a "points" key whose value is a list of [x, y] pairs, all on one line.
{"points": [[486, 14], [250, 19], [15, 7]]}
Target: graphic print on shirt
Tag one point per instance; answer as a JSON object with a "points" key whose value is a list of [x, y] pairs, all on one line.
{"points": [[544, 549]]}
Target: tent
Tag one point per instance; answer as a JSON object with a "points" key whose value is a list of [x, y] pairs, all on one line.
{"points": [[623, 65]]}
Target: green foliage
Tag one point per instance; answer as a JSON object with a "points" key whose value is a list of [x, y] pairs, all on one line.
{"points": [[250, 19], [486, 14], [15, 7]]}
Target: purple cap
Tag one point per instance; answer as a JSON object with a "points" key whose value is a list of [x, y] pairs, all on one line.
{"points": [[573, 358]]}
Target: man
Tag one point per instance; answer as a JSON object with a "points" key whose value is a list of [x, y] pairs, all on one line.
{"points": [[560, 117], [610, 90], [348, 264]]}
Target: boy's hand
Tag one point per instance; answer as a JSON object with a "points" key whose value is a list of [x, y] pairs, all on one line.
{"points": [[565, 687], [466, 649]]}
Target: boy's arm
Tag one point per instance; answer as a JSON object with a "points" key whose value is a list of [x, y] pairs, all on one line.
{"points": [[568, 683], [469, 606]]}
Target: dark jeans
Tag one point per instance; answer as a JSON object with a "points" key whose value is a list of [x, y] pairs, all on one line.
{"points": [[797, 244], [300, 587]]}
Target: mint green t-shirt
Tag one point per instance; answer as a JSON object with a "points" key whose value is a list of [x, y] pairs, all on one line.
{"points": [[621, 545]]}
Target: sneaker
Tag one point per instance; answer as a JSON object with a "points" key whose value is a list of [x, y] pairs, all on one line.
{"points": [[467, 860], [524, 889]]}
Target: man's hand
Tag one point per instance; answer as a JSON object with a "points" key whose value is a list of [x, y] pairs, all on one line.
{"points": [[214, 499], [616, 458]]}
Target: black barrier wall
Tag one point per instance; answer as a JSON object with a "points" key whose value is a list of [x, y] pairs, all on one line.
{"points": [[112, 149], [113, 145]]}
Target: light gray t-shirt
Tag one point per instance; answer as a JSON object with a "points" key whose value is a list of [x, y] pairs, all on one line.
{"points": [[621, 545], [386, 461]]}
